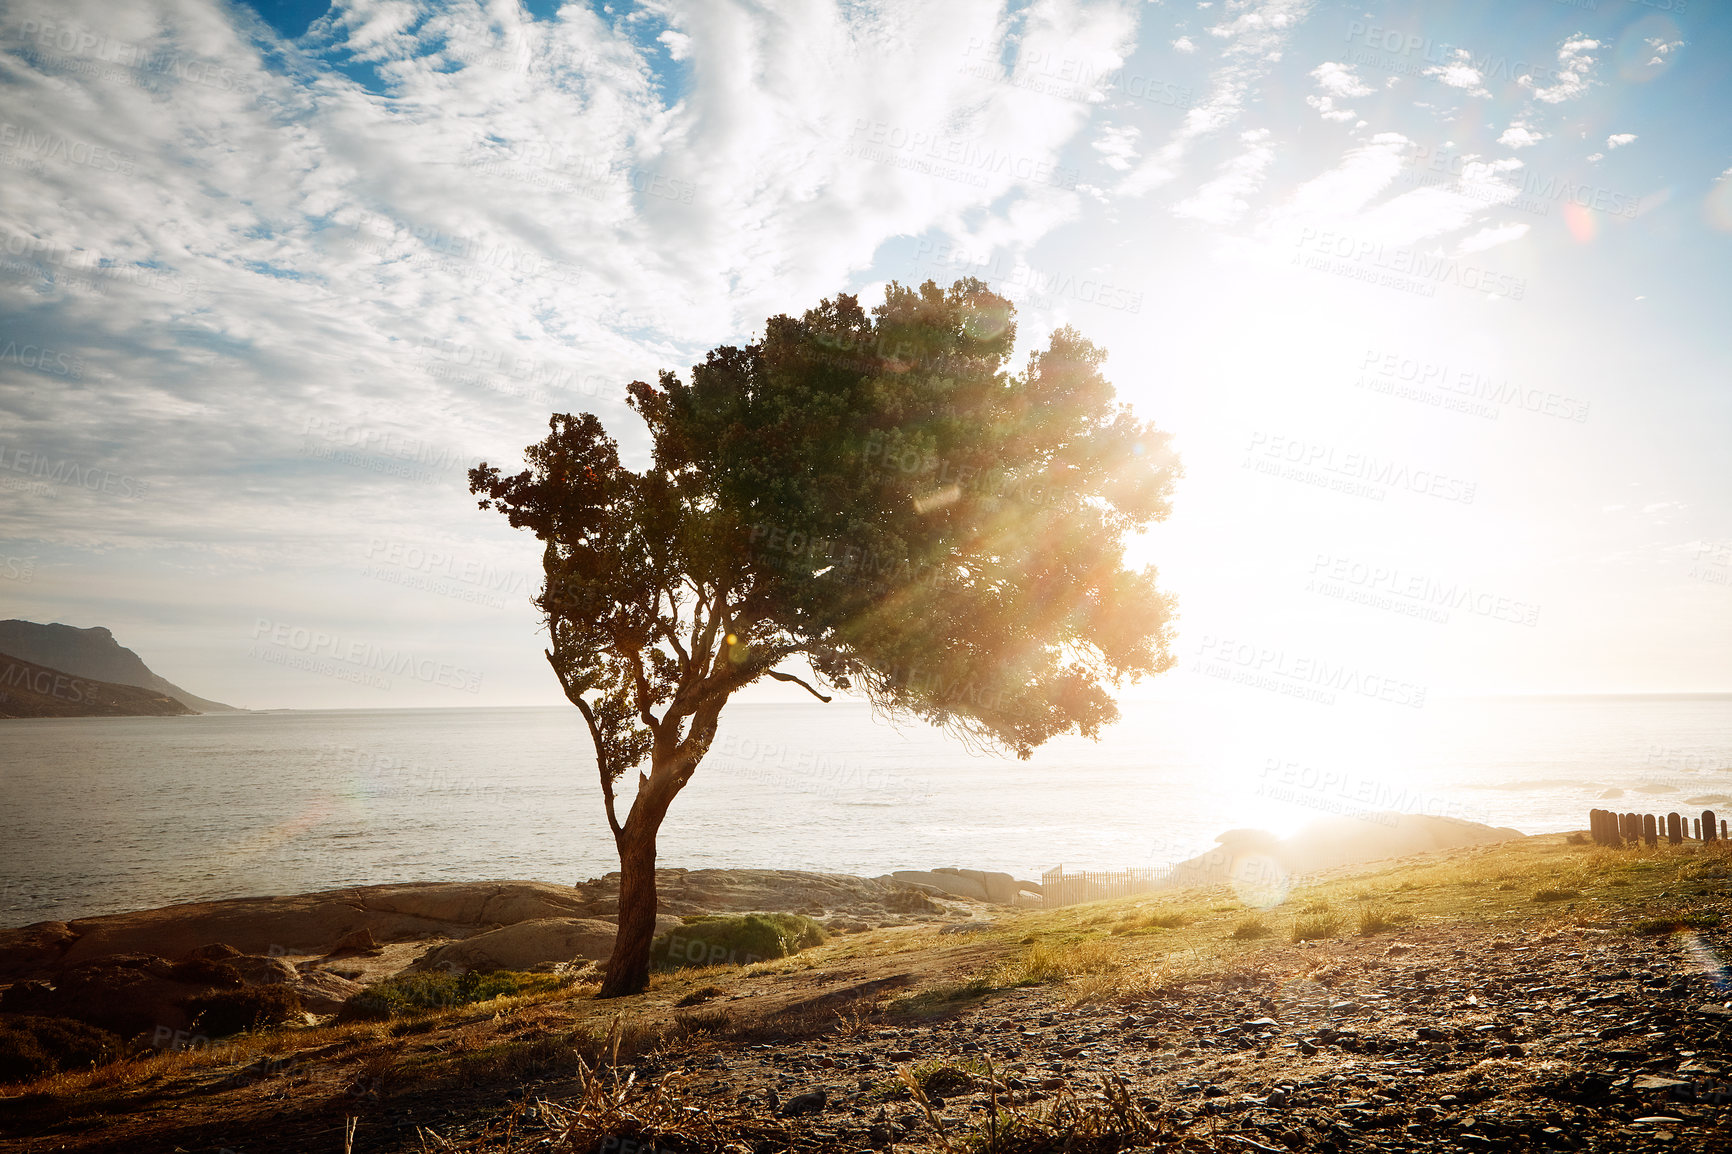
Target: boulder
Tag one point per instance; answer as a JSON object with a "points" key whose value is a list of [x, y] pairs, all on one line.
{"points": [[953, 884], [524, 946], [130, 994], [300, 924], [323, 992]]}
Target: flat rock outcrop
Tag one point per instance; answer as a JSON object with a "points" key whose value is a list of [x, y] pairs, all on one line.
{"points": [[303, 924], [530, 945]]}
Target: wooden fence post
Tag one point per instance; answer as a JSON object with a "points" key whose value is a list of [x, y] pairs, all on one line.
{"points": [[1710, 831], [1674, 829], [1650, 829], [1696, 828]]}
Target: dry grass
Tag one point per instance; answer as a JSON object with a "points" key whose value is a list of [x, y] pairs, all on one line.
{"points": [[1251, 928], [1312, 927]]}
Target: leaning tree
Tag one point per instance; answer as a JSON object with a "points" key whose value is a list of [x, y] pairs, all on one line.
{"points": [[869, 504]]}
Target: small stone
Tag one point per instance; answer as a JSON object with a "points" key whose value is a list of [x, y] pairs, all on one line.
{"points": [[811, 1102]]}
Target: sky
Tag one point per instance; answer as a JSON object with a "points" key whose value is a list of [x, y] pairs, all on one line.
{"points": [[1433, 299]]}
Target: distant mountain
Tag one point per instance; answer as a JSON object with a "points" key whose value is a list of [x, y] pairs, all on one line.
{"points": [[93, 653], [31, 690]]}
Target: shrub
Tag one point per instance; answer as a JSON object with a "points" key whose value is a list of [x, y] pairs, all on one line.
{"points": [[1705, 920], [224, 1012], [911, 901], [34, 1047], [734, 940], [405, 994], [1556, 895]]}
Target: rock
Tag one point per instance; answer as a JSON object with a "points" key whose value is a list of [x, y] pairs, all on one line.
{"points": [[1657, 1084], [257, 971], [299, 924], [953, 884], [130, 995], [811, 1102], [323, 992], [524, 946], [358, 943]]}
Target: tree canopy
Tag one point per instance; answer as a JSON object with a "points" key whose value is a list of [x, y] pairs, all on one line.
{"points": [[870, 503]]}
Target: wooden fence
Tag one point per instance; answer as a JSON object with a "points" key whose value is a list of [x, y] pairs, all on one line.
{"points": [[1059, 887], [1616, 829]]}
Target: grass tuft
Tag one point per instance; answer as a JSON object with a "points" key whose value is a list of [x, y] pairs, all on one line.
{"points": [[1312, 927], [1251, 928]]}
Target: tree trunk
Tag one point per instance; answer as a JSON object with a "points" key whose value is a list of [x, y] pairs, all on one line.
{"points": [[628, 965]]}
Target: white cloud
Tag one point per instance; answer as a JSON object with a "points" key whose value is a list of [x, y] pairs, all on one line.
{"points": [[1491, 237], [1571, 77], [1336, 80], [1620, 139], [1519, 135], [1117, 146], [1253, 40], [513, 217], [1596, 157], [1339, 80], [679, 45], [1459, 72], [1662, 48], [1222, 201], [1183, 44]]}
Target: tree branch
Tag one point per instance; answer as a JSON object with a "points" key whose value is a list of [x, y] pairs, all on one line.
{"points": [[790, 677], [595, 738]]}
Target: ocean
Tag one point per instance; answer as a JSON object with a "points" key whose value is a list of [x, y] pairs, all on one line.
{"points": [[101, 815]]}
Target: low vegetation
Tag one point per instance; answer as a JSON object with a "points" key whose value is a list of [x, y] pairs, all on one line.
{"points": [[436, 1034], [735, 940], [416, 994]]}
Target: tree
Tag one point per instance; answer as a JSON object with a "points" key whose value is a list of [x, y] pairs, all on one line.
{"points": [[874, 500]]}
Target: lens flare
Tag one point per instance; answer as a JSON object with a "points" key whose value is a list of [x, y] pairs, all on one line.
{"points": [[1580, 221], [1706, 960]]}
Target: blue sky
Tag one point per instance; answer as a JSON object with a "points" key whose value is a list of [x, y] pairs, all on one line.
{"points": [[1433, 298]]}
